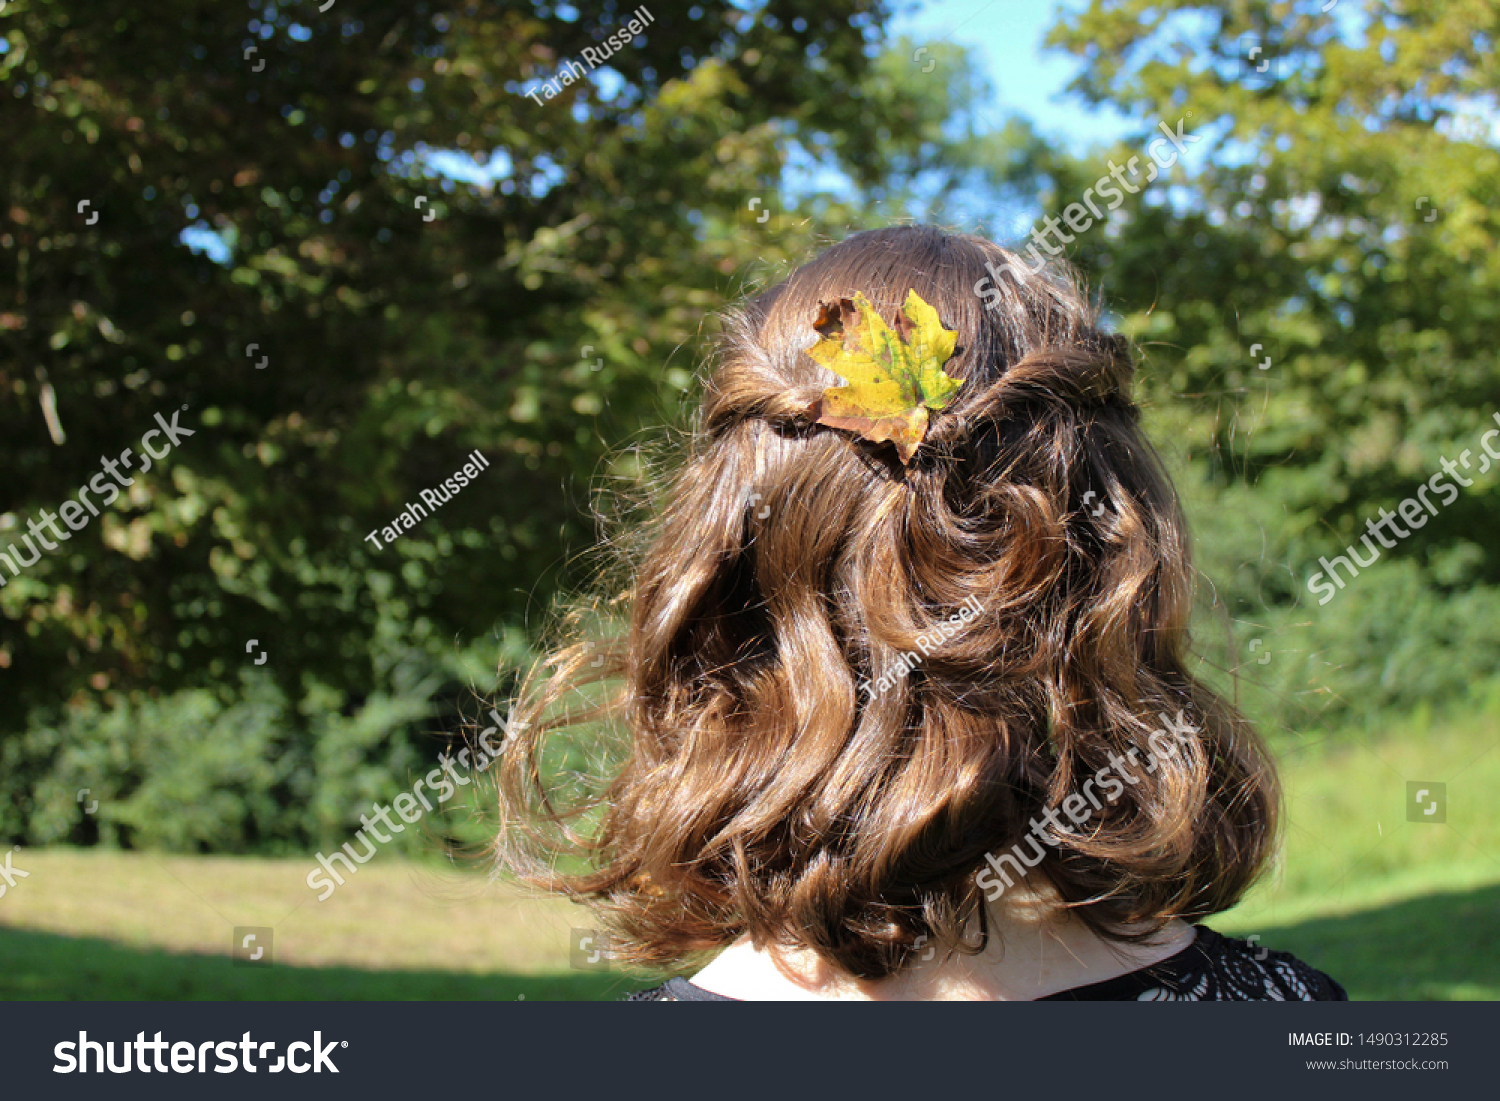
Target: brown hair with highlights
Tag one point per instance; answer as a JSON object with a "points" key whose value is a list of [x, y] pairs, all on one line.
{"points": [[751, 785]]}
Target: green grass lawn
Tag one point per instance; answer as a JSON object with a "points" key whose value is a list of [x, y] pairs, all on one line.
{"points": [[1390, 907], [98, 924]]}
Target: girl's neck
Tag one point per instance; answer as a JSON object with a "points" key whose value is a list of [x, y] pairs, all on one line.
{"points": [[1033, 950]]}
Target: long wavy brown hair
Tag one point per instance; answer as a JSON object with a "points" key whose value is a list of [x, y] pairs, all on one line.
{"points": [[748, 779]]}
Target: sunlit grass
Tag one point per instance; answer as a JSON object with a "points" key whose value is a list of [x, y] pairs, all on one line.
{"points": [[1391, 908], [108, 911], [1371, 897]]}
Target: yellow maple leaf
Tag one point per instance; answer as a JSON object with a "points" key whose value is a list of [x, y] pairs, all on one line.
{"points": [[893, 376]]}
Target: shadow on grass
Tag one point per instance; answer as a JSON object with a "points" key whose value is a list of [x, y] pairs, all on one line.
{"points": [[47, 966], [1439, 947]]}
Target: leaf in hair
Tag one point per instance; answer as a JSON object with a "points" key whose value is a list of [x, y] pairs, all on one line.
{"points": [[893, 376]]}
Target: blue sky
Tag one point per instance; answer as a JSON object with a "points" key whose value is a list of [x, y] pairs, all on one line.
{"points": [[1006, 36]]}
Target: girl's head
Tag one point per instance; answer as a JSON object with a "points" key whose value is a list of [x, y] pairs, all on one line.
{"points": [[857, 697]]}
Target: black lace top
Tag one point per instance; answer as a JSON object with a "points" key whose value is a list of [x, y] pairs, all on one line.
{"points": [[1213, 968]]}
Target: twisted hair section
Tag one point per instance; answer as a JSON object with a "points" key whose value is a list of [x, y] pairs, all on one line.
{"points": [[801, 736]]}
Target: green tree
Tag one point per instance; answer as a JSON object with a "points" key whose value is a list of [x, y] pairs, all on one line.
{"points": [[404, 318], [1311, 285], [427, 261]]}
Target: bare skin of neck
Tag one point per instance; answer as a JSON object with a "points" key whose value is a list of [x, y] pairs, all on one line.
{"points": [[1035, 948]]}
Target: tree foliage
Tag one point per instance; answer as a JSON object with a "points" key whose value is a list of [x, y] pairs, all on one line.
{"points": [[1312, 287], [349, 249]]}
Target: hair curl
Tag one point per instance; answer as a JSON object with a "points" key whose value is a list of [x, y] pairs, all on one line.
{"points": [[757, 788]]}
